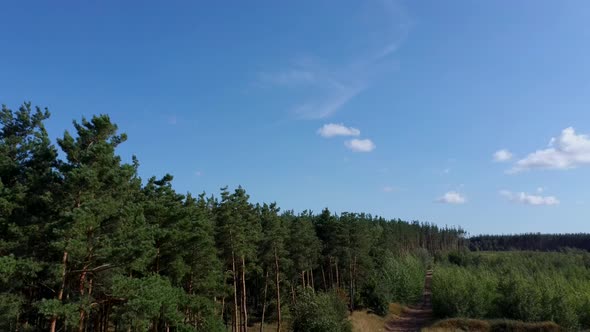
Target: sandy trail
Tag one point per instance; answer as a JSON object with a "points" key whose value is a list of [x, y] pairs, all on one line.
{"points": [[415, 317]]}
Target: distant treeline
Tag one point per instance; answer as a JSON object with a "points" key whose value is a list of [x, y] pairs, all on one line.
{"points": [[87, 245], [530, 241]]}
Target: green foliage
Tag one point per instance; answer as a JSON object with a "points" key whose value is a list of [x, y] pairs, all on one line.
{"points": [[11, 307], [460, 292], [495, 325], [148, 299], [212, 324], [374, 297], [397, 279], [85, 244], [527, 286], [530, 241], [67, 311], [323, 312], [304, 245]]}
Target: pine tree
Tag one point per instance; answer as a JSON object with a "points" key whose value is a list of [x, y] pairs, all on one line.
{"points": [[304, 248], [238, 233], [101, 224], [202, 281], [273, 253], [326, 229], [27, 212]]}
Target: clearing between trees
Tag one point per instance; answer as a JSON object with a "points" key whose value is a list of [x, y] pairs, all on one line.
{"points": [[414, 318]]}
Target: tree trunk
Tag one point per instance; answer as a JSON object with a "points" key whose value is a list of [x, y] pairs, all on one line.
{"points": [[337, 275], [264, 302], [90, 281], [311, 278], [303, 279], [324, 277], [188, 312], [354, 275], [244, 298], [222, 306], [278, 291], [60, 294], [235, 313], [106, 317], [157, 267], [81, 289], [351, 291], [331, 273]]}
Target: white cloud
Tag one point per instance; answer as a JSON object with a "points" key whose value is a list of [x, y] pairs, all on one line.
{"points": [[529, 199], [334, 129], [360, 145], [569, 150], [452, 197], [502, 155]]}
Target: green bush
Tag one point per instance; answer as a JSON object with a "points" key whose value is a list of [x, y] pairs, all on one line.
{"points": [[398, 279], [463, 292], [373, 298], [321, 312]]}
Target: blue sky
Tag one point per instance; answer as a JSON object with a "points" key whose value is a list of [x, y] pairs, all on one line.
{"points": [[395, 108]]}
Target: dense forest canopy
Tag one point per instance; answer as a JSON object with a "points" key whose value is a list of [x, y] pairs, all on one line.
{"points": [[87, 245], [530, 241]]}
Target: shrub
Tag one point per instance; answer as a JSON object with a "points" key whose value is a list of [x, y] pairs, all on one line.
{"points": [[322, 312], [463, 292], [398, 279], [374, 299]]}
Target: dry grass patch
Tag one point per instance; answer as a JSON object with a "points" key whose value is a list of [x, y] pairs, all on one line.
{"points": [[367, 321], [396, 309], [268, 327], [364, 321]]}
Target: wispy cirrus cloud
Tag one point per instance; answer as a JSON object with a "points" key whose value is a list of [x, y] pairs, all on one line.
{"points": [[327, 85], [289, 77], [529, 199], [327, 105], [568, 150]]}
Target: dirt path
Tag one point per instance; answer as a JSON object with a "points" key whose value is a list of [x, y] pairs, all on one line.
{"points": [[415, 317]]}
